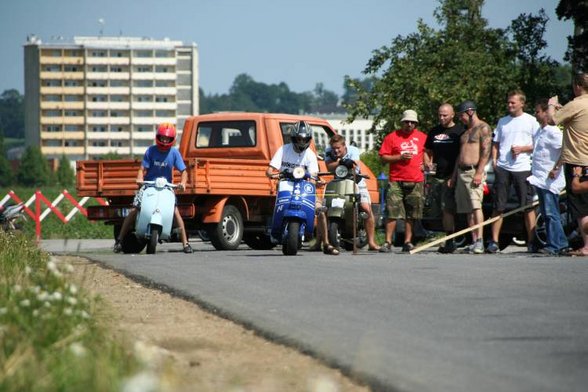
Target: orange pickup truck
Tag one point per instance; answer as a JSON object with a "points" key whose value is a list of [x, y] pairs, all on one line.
{"points": [[228, 194]]}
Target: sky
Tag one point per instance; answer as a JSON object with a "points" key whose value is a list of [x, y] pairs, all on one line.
{"points": [[298, 42]]}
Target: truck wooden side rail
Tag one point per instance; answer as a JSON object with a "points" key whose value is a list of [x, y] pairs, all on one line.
{"points": [[228, 195]]}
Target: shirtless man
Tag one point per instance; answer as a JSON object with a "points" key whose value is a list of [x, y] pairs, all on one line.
{"points": [[470, 170]]}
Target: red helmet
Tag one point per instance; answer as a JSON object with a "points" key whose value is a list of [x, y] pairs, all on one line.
{"points": [[167, 130]]}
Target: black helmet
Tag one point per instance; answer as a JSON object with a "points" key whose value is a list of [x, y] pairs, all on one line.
{"points": [[301, 136], [465, 106]]}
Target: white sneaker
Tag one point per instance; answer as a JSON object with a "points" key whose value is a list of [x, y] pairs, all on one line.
{"points": [[478, 247]]}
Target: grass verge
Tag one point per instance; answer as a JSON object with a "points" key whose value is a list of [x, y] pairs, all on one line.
{"points": [[53, 335]]}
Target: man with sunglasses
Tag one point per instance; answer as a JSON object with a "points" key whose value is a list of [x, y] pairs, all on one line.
{"points": [[403, 150]]}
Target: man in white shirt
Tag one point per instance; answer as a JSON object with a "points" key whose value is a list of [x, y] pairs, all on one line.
{"points": [[296, 154], [511, 159], [548, 183]]}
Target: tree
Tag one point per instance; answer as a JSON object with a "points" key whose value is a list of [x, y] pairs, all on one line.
{"points": [[65, 175], [12, 114], [465, 59], [536, 71], [34, 170], [577, 53], [6, 176]]}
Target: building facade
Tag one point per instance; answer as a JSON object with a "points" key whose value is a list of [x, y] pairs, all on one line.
{"points": [[101, 95]]}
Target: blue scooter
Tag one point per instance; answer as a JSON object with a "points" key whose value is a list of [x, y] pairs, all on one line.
{"points": [[293, 219], [154, 221]]}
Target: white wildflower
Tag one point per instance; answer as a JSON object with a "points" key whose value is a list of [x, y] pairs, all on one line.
{"points": [[25, 303], [141, 382], [71, 300], [68, 311], [84, 314], [56, 296], [17, 288], [35, 312], [77, 349], [51, 266], [28, 270], [43, 296], [3, 311], [73, 289], [47, 304], [68, 268]]}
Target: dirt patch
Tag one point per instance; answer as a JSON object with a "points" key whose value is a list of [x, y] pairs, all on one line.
{"points": [[193, 350]]}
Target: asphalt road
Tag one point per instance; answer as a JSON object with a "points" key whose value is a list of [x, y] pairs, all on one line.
{"points": [[423, 322]]}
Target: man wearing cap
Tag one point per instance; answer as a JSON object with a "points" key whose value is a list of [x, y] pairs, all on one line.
{"points": [[511, 159], [403, 149], [470, 170]]}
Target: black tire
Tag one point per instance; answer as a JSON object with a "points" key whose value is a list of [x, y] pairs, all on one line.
{"points": [[290, 246], [540, 230], [504, 240], [258, 241], [116, 231], [131, 244], [154, 240], [333, 232], [228, 233]]}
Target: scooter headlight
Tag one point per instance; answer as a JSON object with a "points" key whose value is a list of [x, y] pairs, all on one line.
{"points": [[341, 171], [160, 182], [298, 173]]}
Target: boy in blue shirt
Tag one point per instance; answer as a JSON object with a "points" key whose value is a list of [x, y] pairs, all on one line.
{"points": [[159, 161]]}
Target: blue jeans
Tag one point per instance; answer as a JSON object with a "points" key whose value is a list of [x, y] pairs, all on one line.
{"points": [[549, 205]]}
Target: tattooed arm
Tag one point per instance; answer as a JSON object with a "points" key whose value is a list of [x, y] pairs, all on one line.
{"points": [[485, 151]]}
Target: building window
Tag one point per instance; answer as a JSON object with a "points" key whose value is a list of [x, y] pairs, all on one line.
{"points": [[119, 83], [73, 98], [164, 83], [52, 113], [143, 113], [52, 98], [143, 53], [53, 128], [70, 68], [143, 83], [72, 128], [53, 68], [98, 128], [72, 113], [52, 83], [160, 99]]}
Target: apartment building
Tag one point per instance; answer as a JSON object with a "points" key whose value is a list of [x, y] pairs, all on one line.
{"points": [[99, 95], [356, 132]]}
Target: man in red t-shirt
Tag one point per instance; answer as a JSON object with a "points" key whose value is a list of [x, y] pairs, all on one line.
{"points": [[403, 149]]}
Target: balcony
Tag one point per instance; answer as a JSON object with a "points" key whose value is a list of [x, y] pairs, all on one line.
{"points": [[79, 120], [108, 90], [62, 135], [108, 120], [62, 75], [153, 61], [154, 105], [92, 150], [61, 60], [107, 60], [108, 105], [62, 150], [48, 105], [109, 135]]}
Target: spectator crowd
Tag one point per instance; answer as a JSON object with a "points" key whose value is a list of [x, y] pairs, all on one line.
{"points": [[540, 155]]}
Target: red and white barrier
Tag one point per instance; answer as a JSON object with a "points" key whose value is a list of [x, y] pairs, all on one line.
{"points": [[38, 216]]}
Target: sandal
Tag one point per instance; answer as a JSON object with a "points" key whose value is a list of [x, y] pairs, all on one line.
{"points": [[330, 250]]}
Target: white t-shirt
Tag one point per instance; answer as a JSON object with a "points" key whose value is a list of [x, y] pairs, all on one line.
{"points": [[546, 152], [287, 159], [515, 131]]}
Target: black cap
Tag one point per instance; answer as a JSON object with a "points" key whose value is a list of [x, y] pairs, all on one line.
{"points": [[465, 106]]}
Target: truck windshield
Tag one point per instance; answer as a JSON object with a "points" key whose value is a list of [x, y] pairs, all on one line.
{"points": [[215, 134]]}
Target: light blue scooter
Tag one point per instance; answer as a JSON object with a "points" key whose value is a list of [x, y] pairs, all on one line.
{"points": [[155, 219]]}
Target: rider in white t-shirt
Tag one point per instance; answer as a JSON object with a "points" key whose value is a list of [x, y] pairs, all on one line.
{"points": [[296, 154]]}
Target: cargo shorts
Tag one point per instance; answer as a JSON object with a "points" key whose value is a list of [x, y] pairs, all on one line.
{"points": [[405, 200], [440, 198]]}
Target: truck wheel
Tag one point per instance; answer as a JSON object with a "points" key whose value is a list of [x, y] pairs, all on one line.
{"points": [[290, 246], [258, 241], [152, 244], [131, 244], [227, 234], [333, 233]]}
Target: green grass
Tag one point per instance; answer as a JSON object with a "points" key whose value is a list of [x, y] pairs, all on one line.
{"points": [[52, 226], [53, 335]]}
